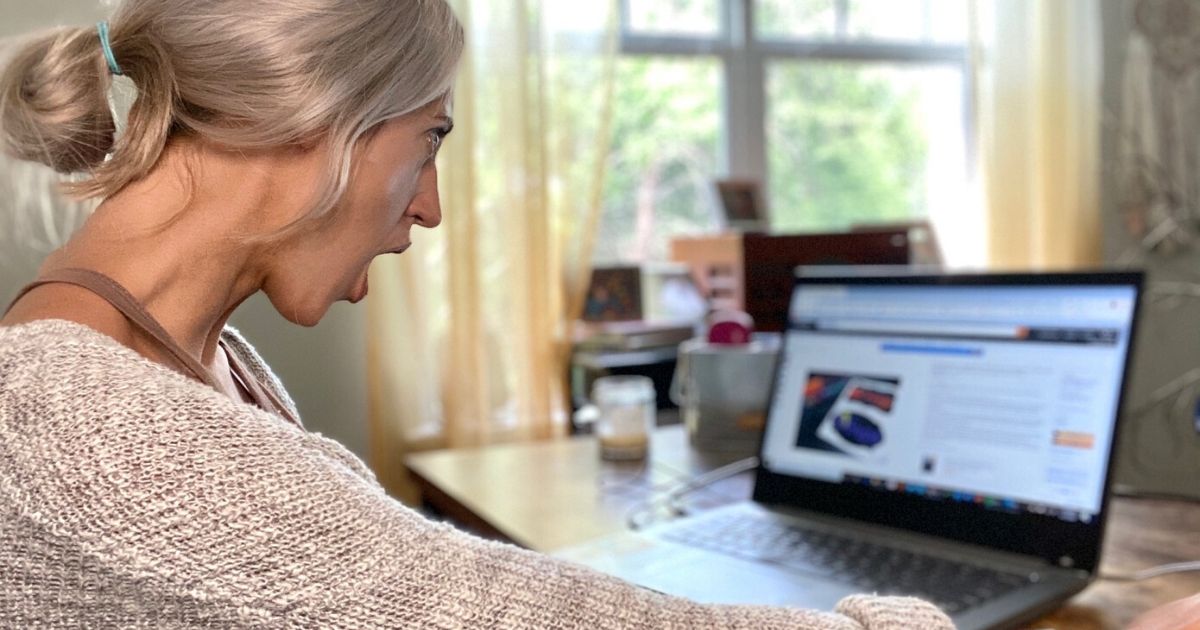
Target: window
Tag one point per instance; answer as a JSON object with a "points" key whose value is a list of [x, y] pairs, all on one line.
{"points": [[666, 147], [675, 17], [849, 111]]}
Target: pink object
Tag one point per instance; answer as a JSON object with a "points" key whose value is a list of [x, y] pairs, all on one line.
{"points": [[730, 328]]}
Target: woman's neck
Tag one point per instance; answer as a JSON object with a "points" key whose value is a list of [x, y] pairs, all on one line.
{"points": [[176, 240]]}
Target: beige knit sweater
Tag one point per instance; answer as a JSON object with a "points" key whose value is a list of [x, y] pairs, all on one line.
{"points": [[132, 496]]}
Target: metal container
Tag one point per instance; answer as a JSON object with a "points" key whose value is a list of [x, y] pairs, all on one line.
{"points": [[722, 391]]}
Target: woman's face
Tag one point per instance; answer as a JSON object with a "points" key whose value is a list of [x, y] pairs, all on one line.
{"points": [[393, 186]]}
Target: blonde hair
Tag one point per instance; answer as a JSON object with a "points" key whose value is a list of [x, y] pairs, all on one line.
{"points": [[245, 75]]}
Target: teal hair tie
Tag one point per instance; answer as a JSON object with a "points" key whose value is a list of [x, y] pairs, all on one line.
{"points": [[113, 66]]}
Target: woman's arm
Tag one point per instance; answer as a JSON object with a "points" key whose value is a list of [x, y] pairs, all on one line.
{"points": [[379, 564], [180, 495]]}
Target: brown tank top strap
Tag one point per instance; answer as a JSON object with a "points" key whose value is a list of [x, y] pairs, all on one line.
{"points": [[115, 294], [123, 301]]}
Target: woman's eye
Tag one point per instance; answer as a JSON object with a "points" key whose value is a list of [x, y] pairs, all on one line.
{"points": [[434, 140]]}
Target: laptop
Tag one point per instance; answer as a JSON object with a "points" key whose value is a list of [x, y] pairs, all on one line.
{"points": [[948, 437]]}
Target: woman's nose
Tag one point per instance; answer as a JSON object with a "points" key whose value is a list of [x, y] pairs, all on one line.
{"points": [[426, 205]]}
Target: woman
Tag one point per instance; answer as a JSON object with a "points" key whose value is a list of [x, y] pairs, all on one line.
{"points": [[153, 472]]}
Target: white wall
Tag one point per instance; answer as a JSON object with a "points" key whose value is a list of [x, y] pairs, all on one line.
{"points": [[324, 368]]}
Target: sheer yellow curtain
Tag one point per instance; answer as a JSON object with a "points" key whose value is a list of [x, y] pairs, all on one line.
{"points": [[469, 332], [1038, 69]]}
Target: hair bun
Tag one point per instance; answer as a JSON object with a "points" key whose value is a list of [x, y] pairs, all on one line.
{"points": [[53, 102]]}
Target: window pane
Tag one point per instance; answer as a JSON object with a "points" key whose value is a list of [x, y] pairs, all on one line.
{"points": [[675, 17], [948, 21], [863, 143], [890, 20], [795, 18], [666, 129], [910, 21]]}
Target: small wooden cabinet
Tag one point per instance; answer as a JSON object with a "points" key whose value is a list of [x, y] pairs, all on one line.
{"points": [[716, 265], [754, 272]]}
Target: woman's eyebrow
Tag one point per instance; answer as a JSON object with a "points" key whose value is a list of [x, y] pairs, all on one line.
{"points": [[448, 123]]}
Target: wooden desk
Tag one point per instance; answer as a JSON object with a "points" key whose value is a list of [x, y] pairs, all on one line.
{"points": [[548, 495]]}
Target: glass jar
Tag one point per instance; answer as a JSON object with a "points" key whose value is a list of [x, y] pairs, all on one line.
{"points": [[627, 416]]}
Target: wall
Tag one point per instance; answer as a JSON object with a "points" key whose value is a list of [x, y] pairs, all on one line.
{"points": [[324, 368], [1160, 451]]}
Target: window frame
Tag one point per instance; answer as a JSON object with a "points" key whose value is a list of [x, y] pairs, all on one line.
{"points": [[744, 58]]}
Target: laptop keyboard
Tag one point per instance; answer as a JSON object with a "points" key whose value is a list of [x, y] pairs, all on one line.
{"points": [[952, 586]]}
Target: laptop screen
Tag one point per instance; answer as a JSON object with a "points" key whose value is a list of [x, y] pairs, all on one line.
{"points": [[997, 393]]}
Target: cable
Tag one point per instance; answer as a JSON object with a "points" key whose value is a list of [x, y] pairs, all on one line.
{"points": [[698, 482], [1153, 572], [707, 479]]}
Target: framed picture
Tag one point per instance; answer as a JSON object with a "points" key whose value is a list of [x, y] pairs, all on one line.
{"points": [[614, 295], [741, 201]]}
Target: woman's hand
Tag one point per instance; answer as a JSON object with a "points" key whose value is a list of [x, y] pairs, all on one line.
{"points": [[1183, 614]]}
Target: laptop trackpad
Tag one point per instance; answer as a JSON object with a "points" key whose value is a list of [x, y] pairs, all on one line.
{"points": [[709, 577]]}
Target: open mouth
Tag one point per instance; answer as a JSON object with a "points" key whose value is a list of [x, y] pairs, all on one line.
{"points": [[361, 287]]}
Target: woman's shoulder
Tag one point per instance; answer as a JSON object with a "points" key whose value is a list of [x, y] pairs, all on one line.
{"points": [[38, 338], [178, 489], [49, 354], [71, 398], [64, 375], [70, 395], [63, 384], [59, 347], [54, 346]]}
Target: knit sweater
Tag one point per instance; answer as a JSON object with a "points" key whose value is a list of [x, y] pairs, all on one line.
{"points": [[133, 496]]}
